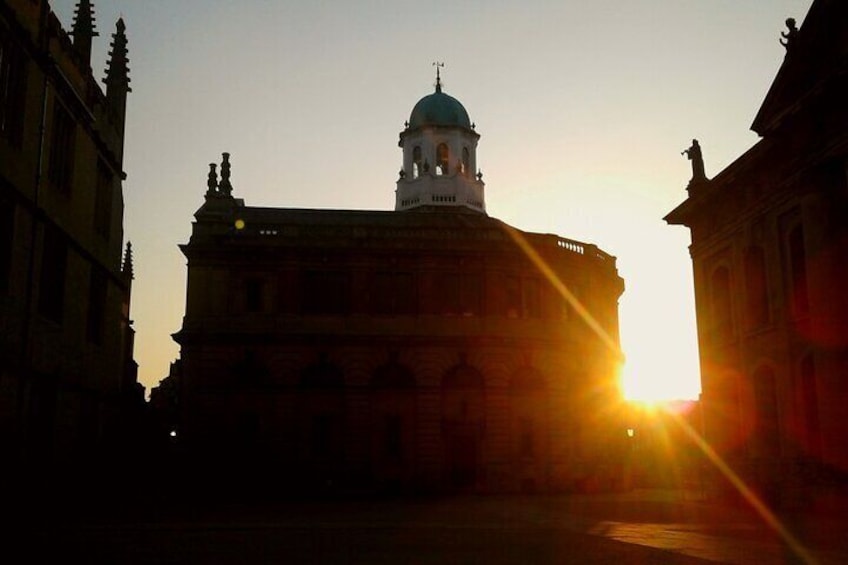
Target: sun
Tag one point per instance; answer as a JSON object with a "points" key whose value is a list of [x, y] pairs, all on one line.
{"points": [[653, 383]]}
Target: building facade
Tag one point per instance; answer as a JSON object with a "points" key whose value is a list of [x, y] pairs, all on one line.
{"points": [[66, 363], [769, 242], [430, 347]]}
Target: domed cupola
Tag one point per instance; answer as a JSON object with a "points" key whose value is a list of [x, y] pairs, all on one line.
{"points": [[439, 146], [439, 109]]}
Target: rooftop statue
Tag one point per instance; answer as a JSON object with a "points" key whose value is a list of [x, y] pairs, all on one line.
{"points": [[694, 155], [790, 34]]}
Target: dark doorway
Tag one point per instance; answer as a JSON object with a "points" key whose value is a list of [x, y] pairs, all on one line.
{"points": [[463, 424], [463, 459]]}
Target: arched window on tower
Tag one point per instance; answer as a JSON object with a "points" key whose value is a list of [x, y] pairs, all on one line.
{"points": [[722, 316], [442, 159], [756, 288], [416, 162], [798, 270], [810, 406], [767, 418], [466, 162]]}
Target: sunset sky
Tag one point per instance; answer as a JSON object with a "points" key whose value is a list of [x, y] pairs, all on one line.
{"points": [[583, 108]]}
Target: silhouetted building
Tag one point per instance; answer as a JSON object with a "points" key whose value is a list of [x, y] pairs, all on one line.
{"points": [[769, 248], [67, 375], [427, 347]]}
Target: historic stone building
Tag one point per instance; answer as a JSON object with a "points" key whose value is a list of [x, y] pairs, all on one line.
{"points": [[66, 365], [428, 347], [769, 243]]}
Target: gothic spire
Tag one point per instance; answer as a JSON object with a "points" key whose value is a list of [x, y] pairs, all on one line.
{"points": [[127, 267], [117, 71], [117, 79], [83, 29]]}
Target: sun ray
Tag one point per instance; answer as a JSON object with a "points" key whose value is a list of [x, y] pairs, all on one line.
{"points": [[562, 289], [747, 493]]}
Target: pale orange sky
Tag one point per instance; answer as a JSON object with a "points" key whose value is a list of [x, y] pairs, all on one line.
{"points": [[583, 108]]}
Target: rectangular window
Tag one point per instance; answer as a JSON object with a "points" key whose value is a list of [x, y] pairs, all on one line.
{"points": [[12, 89], [532, 299], [382, 298], [325, 293], [513, 297], [7, 238], [96, 319], [459, 294], [447, 294], [60, 170], [103, 201], [393, 294], [470, 293], [54, 257]]}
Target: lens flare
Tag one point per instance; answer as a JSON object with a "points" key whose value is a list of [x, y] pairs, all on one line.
{"points": [[747, 493]]}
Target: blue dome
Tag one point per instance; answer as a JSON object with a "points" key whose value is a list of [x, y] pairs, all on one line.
{"points": [[439, 109]]}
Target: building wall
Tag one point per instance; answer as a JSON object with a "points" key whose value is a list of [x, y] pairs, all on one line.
{"points": [[505, 386], [768, 241], [772, 386], [64, 336]]}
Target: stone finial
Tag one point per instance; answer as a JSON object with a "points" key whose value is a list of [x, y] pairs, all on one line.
{"points": [[790, 34], [212, 182], [127, 267], [402, 173], [479, 174], [225, 187]]}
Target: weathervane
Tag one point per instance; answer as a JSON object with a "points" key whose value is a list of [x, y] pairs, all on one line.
{"points": [[438, 65]]}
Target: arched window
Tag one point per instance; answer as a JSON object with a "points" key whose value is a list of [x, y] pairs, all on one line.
{"points": [[442, 159], [466, 162], [722, 315], [416, 162], [393, 406], [321, 422], [756, 288], [530, 411], [798, 269], [463, 409], [766, 423], [810, 406]]}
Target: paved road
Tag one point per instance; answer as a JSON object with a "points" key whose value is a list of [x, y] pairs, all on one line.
{"points": [[639, 527]]}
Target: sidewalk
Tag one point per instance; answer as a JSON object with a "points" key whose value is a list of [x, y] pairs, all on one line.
{"points": [[646, 526]]}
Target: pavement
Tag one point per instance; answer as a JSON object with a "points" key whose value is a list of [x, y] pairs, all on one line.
{"points": [[643, 526]]}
